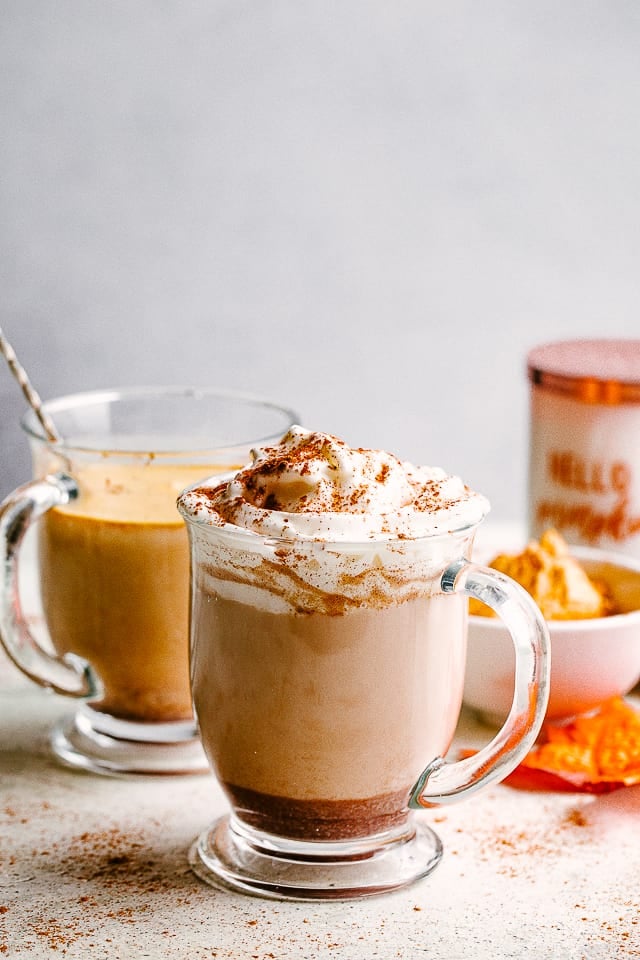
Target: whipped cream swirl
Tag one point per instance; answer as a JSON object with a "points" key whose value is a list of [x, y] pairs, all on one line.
{"points": [[314, 486]]}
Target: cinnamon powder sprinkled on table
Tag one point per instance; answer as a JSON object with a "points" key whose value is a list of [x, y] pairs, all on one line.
{"points": [[122, 862]]}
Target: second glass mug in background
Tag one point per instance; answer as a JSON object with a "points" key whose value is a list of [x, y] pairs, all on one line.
{"points": [[113, 564]]}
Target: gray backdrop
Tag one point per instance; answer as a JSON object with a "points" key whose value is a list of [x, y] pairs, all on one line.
{"points": [[367, 209]]}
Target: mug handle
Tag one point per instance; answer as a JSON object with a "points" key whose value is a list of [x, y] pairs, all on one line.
{"points": [[69, 674], [445, 781]]}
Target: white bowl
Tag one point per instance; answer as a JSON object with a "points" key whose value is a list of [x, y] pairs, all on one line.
{"points": [[591, 660]]}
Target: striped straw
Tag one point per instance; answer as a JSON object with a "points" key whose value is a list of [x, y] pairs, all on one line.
{"points": [[31, 395]]}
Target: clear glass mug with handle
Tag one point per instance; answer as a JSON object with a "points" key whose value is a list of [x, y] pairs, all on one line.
{"points": [[112, 564], [326, 718]]}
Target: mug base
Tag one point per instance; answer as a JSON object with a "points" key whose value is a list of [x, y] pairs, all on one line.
{"points": [[97, 743], [234, 856]]}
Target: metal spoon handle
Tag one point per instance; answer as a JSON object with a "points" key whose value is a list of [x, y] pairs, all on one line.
{"points": [[30, 393]]}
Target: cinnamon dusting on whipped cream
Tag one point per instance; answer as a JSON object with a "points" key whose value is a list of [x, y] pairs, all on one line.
{"points": [[312, 485]]}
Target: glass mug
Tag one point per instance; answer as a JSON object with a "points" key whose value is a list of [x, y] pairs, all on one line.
{"points": [[327, 728], [113, 565]]}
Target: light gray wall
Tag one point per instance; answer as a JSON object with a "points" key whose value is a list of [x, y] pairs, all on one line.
{"points": [[367, 209]]}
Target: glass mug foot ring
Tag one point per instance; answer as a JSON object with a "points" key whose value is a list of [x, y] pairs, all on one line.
{"points": [[97, 743], [233, 855]]}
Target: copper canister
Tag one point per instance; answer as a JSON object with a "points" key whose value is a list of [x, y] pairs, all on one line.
{"points": [[584, 455]]}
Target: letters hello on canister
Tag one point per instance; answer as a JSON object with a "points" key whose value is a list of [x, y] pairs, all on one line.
{"points": [[584, 457]]}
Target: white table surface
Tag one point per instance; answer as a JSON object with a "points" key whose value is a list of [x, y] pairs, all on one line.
{"points": [[94, 867]]}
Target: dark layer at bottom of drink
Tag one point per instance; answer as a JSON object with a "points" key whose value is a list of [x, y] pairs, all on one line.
{"points": [[319, 819]]}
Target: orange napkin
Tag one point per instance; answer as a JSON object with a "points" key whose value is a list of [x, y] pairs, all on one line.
{"points": [[594, 753]]}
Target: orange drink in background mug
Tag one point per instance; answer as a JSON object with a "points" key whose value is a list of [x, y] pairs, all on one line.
{"points": [[113, 564]]}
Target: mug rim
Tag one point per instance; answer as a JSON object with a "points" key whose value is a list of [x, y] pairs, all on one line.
{"points": [[248, 537], [110, 395]]}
